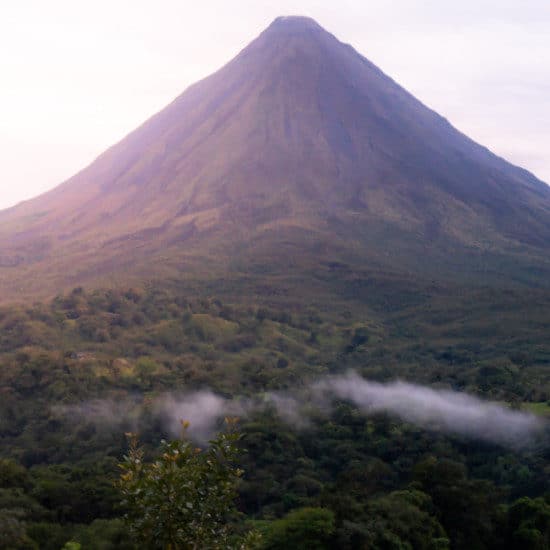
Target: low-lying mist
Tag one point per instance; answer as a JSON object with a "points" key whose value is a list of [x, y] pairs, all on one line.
{"points": [[433, 409]]}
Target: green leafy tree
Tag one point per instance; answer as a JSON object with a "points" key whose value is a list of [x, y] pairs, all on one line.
{"points": [[403, 520], [185, 498], [13, 534], [301, 529], [529, 524]]}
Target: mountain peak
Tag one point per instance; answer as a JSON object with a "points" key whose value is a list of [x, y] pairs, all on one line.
{"points": [[294, 23]]}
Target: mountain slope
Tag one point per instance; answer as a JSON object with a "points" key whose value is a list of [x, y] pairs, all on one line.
{"points": [[297, 155]]}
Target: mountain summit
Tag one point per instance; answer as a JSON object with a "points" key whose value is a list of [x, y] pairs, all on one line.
{"points": [[296, 155]]}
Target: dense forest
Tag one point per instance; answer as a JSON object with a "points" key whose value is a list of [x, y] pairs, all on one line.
{"points": [[79, 372]]}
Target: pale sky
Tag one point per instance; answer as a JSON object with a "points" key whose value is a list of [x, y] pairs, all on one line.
{"points": [[76, 76]]}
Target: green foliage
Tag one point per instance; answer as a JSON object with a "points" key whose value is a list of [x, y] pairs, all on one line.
{"points": [[12, 474], [59, 458], [185, 498], [529, 524], [467, 508], [403, 520], [13, 535], [301, 529]]}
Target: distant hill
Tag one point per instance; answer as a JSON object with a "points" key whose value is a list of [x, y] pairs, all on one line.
{"points": [[297, 168]]}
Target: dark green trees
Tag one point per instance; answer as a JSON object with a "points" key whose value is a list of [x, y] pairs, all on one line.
{"points": [[301, 529], [529, 524]]}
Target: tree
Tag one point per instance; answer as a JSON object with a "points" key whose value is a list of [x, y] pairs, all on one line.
{"points": [[301, 529], [529, 524], [466, 508], [185, 498], [13, 534], [404, 519]]}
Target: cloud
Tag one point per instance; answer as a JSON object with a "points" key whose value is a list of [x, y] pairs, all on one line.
{"points": [[201, 409], [440, 410], [432, 409]]}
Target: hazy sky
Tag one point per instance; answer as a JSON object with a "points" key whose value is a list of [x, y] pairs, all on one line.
{"points": [[76, 76]]}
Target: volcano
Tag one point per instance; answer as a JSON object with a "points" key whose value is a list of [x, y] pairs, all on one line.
{"points": [[297, 161]]}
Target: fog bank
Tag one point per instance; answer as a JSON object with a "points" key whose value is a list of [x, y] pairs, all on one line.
{"points": [[432, 409]]}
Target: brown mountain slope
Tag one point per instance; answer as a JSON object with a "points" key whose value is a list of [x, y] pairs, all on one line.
{"points": [[297, 154]]}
